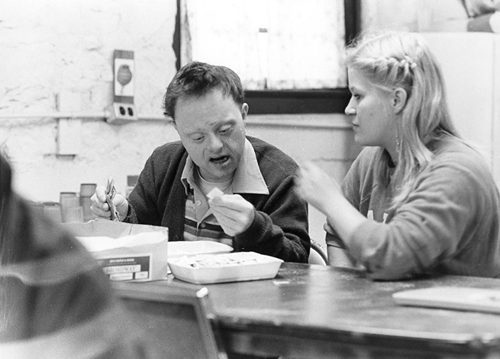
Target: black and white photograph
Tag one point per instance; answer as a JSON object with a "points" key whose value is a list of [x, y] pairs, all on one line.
{"points": [[249, 179]]}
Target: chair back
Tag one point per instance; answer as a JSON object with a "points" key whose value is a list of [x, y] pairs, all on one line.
{"points": [[177, 319], [317, 254]]}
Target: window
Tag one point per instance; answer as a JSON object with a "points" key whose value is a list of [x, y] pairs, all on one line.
{"points": [[288, 53]]}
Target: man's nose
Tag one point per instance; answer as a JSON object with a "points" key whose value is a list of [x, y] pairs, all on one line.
{"points": [[215, 142]]}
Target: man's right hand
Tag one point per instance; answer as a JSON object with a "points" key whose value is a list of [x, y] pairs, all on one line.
{"points": [[100, 208]]}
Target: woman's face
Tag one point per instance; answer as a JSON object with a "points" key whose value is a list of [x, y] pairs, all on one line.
{"points": [[374, 121]]}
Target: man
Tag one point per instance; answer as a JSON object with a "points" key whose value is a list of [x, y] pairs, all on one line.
{"points": [[258, 211]]}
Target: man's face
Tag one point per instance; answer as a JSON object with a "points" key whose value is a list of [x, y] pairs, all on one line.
{"points": [[212, 130]]}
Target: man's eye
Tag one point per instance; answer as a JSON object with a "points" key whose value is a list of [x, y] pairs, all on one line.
{"points": [[225, 130], [197, 138]]}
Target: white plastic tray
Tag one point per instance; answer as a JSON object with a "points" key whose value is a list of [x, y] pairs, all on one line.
{"points": [[185, 248], [227, 267]]}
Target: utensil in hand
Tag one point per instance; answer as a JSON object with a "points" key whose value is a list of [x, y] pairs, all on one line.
{"points": [[110, 194]]}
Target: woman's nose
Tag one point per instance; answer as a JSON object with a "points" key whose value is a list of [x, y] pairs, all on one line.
{"points": [[350, 110]]}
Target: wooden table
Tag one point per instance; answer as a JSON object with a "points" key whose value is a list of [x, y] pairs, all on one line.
{"points": [[326, 312]]}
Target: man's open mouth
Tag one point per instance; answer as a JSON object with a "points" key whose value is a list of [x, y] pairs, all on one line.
{"points": [[220, 160]]}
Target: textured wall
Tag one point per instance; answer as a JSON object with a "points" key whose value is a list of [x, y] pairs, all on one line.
{"points": [[57, 54]]}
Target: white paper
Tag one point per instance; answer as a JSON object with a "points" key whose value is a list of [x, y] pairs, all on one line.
{"points": [[214, 193]]}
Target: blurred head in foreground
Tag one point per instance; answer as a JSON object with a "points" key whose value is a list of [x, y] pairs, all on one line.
{"points": [[55, 301]]}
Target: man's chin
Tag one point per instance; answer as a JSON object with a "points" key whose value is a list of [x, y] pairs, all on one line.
{"points": [[218, 174]]}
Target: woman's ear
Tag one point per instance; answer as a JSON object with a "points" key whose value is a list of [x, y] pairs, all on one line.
{"points": [[399, 97]]}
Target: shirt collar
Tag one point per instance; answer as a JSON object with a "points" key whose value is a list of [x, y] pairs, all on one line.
{"points": [[247, 177]]}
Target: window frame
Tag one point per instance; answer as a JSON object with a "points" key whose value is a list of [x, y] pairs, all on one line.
{"points": [[301, 101]]}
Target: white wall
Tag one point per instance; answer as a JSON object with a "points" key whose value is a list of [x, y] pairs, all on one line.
{"points": [[414, 15], [58, 55], [471, 69]]}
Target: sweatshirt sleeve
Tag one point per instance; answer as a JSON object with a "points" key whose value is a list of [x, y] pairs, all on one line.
{"points": [[437, 221], [280, 228]]}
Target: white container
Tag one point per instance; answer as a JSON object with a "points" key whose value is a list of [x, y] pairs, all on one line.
{"points": [[226, 267], [179, 249], [128, 252]]}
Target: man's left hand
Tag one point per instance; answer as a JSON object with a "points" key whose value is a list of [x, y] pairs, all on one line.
{"points": [[233, 212]]}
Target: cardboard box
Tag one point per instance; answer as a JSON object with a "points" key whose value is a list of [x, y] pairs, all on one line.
{"points": [[127, 252]]}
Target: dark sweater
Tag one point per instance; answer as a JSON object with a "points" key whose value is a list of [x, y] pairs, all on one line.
{"points": [[280, 228]]}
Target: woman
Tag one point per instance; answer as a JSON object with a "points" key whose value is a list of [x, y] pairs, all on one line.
{"points": [[417, 199]]}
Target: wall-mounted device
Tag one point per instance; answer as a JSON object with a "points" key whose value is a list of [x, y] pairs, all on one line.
{"points": [[123, 109]]}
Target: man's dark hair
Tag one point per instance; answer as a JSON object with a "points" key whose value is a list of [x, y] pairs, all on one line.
{"points": [[197, 79]]}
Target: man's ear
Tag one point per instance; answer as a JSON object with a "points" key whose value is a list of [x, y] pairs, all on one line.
{"points": [[399, 97], [244, 111]]}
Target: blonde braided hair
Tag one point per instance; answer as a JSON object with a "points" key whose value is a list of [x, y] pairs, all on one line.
{"points": [[403, 60]]}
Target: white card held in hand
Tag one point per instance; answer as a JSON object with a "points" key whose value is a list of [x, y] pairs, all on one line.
{"points": [[214, 193]]}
